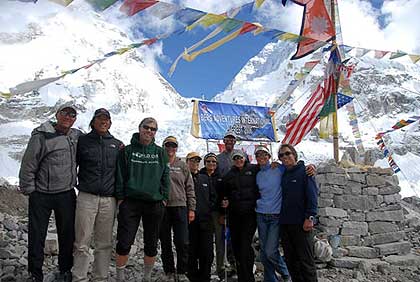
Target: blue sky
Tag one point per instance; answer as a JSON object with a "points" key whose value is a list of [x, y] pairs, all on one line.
{"points": [[364, 24], [374, 24]]}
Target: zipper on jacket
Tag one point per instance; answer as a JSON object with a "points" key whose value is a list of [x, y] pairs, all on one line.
{"points": [[69, 140], [101, 141]]}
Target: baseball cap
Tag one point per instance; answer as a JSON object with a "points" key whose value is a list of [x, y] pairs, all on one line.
{"points": [[263, 149], [210, 155], [67, 105], [192, 155], [170, 139], [102, 112], [238, 153], [231, 134]]}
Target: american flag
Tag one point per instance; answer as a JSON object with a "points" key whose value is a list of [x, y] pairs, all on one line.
{"points": [[343, 99], [307, 119]]}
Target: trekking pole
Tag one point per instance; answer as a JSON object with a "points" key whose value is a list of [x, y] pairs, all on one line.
{"points": [[225, 259]]}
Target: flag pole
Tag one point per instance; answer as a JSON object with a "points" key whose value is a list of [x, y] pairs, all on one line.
{"points": [[335, 119]]}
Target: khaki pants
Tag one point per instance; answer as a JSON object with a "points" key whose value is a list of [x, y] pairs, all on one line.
{"points": [[95, 217]]}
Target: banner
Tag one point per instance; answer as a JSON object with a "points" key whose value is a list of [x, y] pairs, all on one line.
{"points": [[211, 120]]}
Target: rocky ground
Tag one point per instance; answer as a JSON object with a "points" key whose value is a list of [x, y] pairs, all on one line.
{"points": [[13, 250]]}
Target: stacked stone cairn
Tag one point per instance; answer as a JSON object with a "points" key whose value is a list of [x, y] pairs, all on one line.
{"points": [[361, 207]]}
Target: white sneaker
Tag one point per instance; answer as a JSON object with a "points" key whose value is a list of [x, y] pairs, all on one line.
{"points": [[182, 278], [168, 277]]}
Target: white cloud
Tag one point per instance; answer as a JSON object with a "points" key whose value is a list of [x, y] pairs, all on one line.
{"points": [[403, 31]]}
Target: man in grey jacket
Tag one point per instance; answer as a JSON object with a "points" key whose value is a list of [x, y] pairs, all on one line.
{"points": [[48, 176]]}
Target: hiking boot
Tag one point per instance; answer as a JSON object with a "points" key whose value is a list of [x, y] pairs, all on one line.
{"points": [[182, 278], [120, 277], [168, 277], [64, 276]]}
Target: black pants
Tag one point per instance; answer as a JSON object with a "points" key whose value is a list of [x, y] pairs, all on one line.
{"points": [[200, 251], [176, 219], [129, 214], [298, 249], [242, 228], [40, 207]]}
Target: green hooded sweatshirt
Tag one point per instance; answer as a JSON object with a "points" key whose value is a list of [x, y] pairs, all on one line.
{"points": [[142, 172]]}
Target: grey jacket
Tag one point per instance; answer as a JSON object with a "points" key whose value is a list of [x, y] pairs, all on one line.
{"points": [[49, 162], [181, 192]]}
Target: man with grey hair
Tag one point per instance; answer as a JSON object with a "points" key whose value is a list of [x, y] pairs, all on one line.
{"points": [[142, 189], [48, 175]]}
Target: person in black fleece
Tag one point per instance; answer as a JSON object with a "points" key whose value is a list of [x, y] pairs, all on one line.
{"points": [[206, 183], [299, 207], [241, 193]]}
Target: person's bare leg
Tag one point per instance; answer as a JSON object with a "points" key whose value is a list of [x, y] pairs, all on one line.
{"points": [[121, 261], [149, 262]]}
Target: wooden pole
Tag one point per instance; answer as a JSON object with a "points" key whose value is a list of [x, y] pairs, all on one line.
{"points": [[335, 119]]}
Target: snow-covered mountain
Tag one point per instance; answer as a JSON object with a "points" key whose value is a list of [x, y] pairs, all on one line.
{"points": [[385, 90], [122, 84]]}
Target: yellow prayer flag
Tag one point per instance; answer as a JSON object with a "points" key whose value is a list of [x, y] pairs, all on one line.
{"points": [[326, 127], [195, 126], [414, 58], [289, 37], [258, 3], [62, 2], [6, 95], [207, 20]]}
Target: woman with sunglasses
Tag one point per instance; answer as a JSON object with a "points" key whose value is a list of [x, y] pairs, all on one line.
{"points": [[179, 212], [299, 207], [207, 182], [241, 192]]}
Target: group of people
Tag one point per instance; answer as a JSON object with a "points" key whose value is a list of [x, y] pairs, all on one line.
{"points": [[144, 181]]}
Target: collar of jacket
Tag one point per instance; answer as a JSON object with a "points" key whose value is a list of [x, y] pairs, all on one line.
{"points": [[94, 134]]}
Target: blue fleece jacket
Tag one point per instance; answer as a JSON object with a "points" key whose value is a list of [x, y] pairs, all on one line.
{"points": [[300, 196], [269, 185]]}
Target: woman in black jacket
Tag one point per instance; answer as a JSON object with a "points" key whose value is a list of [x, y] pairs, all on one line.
{"points": [[206, 184], [241, 193]]}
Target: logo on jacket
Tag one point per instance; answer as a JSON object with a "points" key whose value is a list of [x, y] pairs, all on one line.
{"points": [[293, 180]]}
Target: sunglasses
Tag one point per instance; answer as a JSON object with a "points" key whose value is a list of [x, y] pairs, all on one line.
{"points": [[146, 127], [211, 162], [195, 160], [288, 153], [260, 155], [170, 145], [235, 158], [68, 114]]}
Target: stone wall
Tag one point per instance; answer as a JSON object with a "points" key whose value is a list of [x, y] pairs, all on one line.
{"points": [[363, 207]]}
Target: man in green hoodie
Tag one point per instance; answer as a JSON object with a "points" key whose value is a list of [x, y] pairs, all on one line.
{"points": [[142, 189]]}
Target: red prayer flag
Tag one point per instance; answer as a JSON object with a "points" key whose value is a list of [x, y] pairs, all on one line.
{"points": [[132, 7], [316, 28]]}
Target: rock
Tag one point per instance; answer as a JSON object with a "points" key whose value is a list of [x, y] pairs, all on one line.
{"points": [[393, 198], [330, 222], [324, 202], [350, 240], [51, 244], [362, 252], [354, 228], [352, 202], [5, 254], [387, 190], [383, 238], [405, 260], [371, 191], [393, 248], [358, 177], [357, 216], [382, 227], [10, 225], [340, 252], [346, 262], [331, 178], [385, 216], [335, 212]]}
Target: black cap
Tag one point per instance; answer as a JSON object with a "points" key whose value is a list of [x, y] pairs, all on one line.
{"points": [[102, 112]]}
